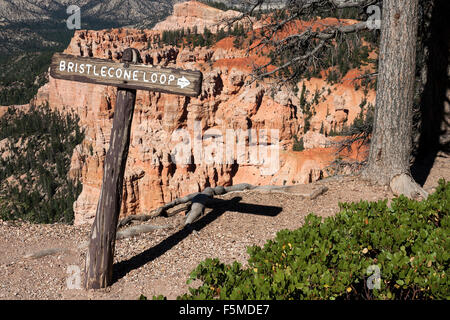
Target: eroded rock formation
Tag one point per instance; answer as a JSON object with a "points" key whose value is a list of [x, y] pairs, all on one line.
{"points": [[227, 102]]}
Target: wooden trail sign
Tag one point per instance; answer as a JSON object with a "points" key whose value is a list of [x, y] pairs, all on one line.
{"points": [[128, 76], [125, 75]]}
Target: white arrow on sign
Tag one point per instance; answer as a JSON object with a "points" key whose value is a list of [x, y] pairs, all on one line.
{"points": [[183, 82]]}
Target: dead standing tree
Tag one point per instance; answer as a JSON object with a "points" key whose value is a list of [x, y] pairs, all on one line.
{"points": [[390, 152]]}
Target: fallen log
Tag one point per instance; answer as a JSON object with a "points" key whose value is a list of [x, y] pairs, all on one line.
{"points": [[177, 209], [134, 217], [195, 203], [139, 229]]}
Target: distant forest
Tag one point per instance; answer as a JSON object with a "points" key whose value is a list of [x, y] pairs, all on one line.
{"points": [[25, 53], [219, 5], [35, 154], [193, 38], [25, 62]]}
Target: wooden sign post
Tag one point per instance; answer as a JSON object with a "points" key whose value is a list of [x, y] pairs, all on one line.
{"points": [[129, 77]]}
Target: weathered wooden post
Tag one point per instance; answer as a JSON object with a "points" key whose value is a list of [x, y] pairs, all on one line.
{"points": [[128, 76], [100, 255]]}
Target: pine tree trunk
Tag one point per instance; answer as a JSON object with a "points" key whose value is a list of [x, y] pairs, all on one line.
{"points": [[390, 149]]}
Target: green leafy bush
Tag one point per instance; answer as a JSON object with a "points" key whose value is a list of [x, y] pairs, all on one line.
{"points": [[298, 144], [407, 242]]}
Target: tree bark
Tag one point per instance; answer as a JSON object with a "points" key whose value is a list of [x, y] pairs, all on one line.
{"points": [[100, 254], [390, 150]]}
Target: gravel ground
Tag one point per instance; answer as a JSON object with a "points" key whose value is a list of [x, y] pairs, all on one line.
{"points": [[159, 262]]}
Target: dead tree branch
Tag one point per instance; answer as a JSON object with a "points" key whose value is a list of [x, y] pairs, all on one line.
{"points": [[294, 48], [195, 203]]}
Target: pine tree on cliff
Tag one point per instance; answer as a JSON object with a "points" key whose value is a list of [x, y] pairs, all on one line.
{"points": [[390, 155]]}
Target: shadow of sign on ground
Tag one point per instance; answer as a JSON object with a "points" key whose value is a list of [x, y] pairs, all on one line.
{"points": [[124, 267]]}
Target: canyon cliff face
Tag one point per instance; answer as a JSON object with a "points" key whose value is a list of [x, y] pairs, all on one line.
{"points": [[227, 102], [194, 13]]}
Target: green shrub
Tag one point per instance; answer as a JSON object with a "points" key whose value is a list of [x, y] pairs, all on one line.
{"points": [[409, 242], [298, 144]]}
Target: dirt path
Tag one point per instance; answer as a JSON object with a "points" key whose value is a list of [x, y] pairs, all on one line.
{"points": [[160, 262]]}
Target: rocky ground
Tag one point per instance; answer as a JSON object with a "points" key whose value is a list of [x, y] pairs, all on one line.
{"points": [[159, 262]]}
